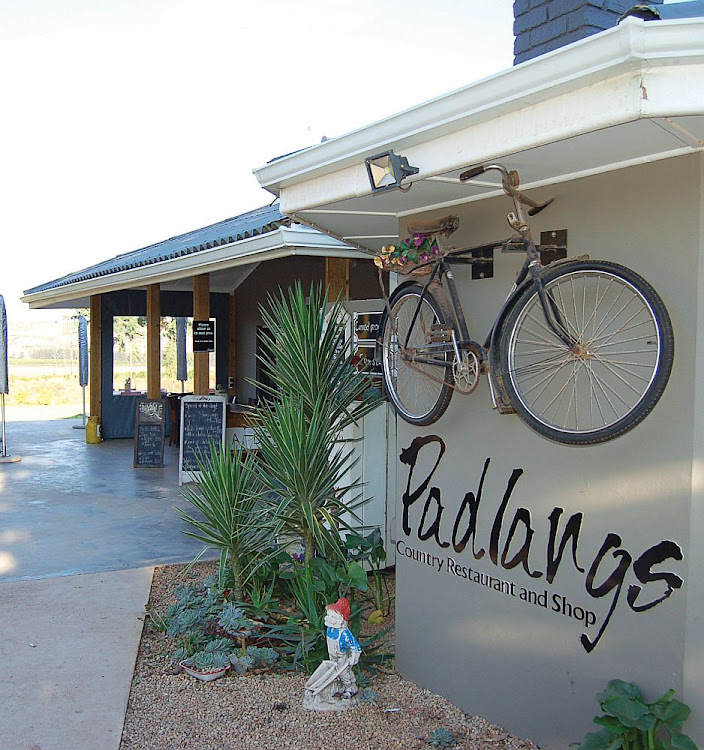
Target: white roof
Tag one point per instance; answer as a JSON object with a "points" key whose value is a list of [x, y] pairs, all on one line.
{"points": [[628, 95]]}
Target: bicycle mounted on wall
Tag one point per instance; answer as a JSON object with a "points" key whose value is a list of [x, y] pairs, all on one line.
{"points": [[581, 350]]}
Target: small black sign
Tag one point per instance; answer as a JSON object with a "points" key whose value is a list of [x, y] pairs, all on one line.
{"points": [[149, 434], [366, 328], [203, 335], [365, 361], [202, 423]]}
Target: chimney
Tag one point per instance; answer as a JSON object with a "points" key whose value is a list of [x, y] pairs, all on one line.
{"points": [[544, 25]]}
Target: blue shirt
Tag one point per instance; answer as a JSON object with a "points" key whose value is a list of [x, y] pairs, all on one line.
{"points": [[345, 638]]}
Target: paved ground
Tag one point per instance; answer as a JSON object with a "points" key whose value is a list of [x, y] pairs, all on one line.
{"points": [[80, 531], [67, 651], [69, 508]]}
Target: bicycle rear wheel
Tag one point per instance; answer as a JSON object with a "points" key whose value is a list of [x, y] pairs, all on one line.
{"points": [[419, 392], [615, 373]]}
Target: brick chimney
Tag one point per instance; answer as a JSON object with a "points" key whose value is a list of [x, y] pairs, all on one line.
{"points": [[544, 25]]}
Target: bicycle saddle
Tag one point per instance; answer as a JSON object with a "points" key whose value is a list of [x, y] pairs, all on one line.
{"points": [[444, 225]]}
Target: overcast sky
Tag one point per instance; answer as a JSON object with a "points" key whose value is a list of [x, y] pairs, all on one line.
{"points": [[126, 122]]}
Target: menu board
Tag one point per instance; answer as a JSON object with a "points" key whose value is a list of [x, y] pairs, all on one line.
{"points": [[149, 433], [202, 424]]}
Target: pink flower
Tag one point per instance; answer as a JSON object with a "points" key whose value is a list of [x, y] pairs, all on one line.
{"points": [[424, 257], [418, 239]]}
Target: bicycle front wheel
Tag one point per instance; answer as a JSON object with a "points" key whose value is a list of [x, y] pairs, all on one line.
{"points": [[420, 392], [617, 368]]}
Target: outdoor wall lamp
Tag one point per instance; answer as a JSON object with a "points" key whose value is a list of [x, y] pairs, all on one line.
{"points": [[387, 170]]}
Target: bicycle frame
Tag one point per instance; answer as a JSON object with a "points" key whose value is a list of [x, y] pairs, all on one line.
{"points": [[530, 273]]}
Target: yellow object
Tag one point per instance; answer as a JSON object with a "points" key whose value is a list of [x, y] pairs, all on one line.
{"points": [[94, 431], [376, 617]]}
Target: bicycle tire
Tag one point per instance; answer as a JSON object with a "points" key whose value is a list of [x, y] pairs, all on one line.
{"points": [[616, 372], [417, 397]]}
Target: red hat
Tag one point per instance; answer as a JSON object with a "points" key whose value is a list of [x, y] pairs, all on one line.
{"points": [[342, 607]]}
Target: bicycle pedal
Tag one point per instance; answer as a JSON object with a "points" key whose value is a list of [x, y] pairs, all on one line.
{"points": [[504, 408], [440, 333]]}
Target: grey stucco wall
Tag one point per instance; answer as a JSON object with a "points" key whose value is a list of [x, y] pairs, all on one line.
{"points": [[522, 664]]}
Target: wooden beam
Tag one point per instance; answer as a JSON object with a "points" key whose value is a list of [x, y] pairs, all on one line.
{"points": [[201, 311], [153, 341], [95, 378], [337, 278], [232, 368]]}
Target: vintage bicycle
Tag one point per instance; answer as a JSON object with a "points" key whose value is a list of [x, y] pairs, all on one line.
{"points": [[581, 349]]}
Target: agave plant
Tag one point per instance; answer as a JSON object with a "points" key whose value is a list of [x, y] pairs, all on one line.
{"points": [[317, 392], [229, 496]]}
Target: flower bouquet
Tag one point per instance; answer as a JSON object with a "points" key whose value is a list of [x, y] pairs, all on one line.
{"points": [[409, 254]]}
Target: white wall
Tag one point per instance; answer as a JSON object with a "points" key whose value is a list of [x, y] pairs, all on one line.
{"points": [[521, 664]]}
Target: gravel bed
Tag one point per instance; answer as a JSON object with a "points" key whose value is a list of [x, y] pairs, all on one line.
{"points": [[169, 710]]}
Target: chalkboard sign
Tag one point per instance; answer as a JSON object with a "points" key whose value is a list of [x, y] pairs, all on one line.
{"points": [[202, 423], [149, 434]]}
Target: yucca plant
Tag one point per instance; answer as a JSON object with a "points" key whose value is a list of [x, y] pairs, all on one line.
{"points": [[303, 465], [230, 496], [317, 392], [311, 358]]}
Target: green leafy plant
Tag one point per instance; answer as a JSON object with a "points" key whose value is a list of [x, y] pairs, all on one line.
{"points": [[441, 737], [228, 495], [371, 548], [254, 657], [234, 621], [215, 655], [632, 724]]}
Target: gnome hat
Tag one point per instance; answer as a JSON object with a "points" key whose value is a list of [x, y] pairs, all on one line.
{"points": [[342, 607]]}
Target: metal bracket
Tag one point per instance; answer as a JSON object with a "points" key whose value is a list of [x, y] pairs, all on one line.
{"points": [[553, 246], [483, 266]]}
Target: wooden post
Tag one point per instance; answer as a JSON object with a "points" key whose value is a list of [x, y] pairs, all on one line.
{"points": [[337, 278], [232, 368], [95, 379], [201, 311], [153, 341]]}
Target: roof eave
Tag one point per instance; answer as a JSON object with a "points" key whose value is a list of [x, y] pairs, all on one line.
{"points": [[632, 46]]}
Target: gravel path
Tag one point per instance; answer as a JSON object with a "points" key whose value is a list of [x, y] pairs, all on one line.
{"points": [[168, 710]]}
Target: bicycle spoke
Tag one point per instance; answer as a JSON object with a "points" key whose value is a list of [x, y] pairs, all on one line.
{"points": [[608, 370]]}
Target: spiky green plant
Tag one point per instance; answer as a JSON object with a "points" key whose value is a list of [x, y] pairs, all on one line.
{"points": [[304, 466], [229, 496], [317, 392], [312, 359]]}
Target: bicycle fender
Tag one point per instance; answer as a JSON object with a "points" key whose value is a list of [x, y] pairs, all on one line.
{"points": [[511, 301]]}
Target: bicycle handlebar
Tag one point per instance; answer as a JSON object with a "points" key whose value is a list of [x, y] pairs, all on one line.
{"points": [[470, 174], [509, 183]]}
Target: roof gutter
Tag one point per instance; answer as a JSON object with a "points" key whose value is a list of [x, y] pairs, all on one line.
{"points": [[632, 46]]}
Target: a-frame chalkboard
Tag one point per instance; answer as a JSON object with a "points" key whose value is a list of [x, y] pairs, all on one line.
{"points": [[149, 434], [202, 423]]}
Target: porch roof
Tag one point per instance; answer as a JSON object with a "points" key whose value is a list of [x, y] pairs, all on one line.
{"points": [[223, 249]]}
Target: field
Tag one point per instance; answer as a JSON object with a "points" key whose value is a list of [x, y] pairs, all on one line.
{"points": [[36, 382]]}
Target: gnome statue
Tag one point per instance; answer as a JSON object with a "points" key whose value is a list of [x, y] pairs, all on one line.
{"points": [[333, 686]]}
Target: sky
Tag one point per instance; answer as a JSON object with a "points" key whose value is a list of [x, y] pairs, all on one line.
{"points": [[127, 122]]}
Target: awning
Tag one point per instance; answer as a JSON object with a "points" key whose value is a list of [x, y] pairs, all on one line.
{"points": [[229, 251], [629, 95]]}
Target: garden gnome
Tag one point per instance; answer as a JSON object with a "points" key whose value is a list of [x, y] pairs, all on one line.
{"points": [[343, 648], [335, 676]]}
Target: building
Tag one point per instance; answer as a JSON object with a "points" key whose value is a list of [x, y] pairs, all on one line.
{"points": [[530, 573]]}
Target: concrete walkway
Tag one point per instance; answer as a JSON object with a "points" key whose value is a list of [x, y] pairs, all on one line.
{"points": [[80, 532], [67, 650]]}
